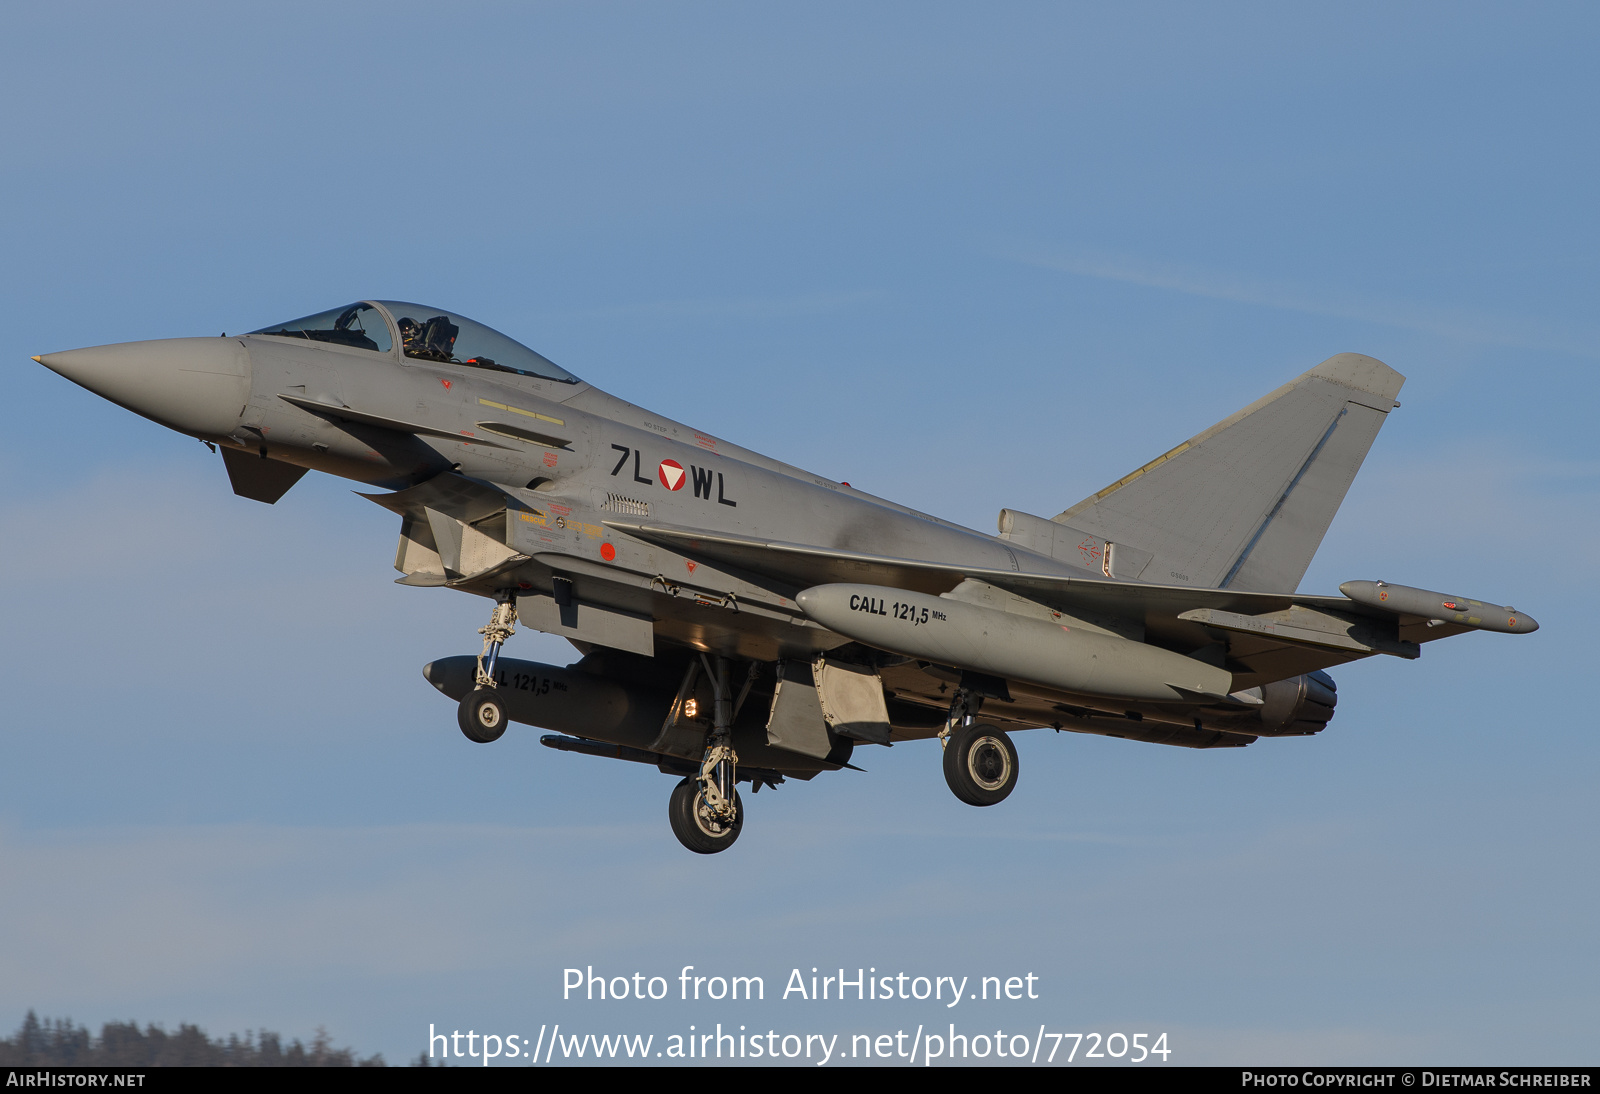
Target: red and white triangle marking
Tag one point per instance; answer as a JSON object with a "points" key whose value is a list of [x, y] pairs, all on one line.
{"points": [[671, 474]]}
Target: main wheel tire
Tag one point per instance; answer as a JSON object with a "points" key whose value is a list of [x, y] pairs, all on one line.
{"points": [[980, 764], [692, 822], [482, 715]]}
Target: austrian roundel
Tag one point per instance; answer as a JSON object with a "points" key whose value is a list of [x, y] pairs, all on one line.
{"points": [[671, 474]]}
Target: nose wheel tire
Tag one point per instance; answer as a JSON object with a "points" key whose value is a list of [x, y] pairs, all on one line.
{"points": [[482, 716], [980, 764], [693, 823]]}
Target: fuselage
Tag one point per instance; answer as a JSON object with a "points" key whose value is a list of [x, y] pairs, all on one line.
{"points": [[674, 560], [552, 441], [386, 395]]}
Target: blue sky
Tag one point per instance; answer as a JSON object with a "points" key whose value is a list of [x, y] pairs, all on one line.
{"points": [[967, 257]]}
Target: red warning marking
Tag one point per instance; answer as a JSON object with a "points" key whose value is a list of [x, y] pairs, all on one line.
{"points": [[549, 459], [691, 566], [608, 552], [671, 474], [446, 384]]}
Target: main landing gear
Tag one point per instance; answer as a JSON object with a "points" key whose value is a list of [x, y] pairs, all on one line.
{"points": [[704, 810], [482, 714], [697, 826], [980, 762]]}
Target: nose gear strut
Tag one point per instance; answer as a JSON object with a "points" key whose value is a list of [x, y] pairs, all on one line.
{"points": [[502, 625], [482, 714]]}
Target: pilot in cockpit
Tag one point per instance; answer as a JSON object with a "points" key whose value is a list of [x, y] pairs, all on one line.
{"points": [[434, 340]]}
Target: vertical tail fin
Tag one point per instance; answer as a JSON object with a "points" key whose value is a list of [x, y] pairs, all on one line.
{"points": [[1245, 504]]}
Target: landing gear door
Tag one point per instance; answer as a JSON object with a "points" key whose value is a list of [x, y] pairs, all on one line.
{"points": [[852, 701], [581, 621], [796, 723]]}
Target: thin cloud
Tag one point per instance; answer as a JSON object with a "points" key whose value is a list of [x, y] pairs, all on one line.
{"points": [[1453, 323], [776, 307]]}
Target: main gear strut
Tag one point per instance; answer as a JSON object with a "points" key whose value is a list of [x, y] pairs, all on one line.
{"points": [[963, 708], [718, 768]]}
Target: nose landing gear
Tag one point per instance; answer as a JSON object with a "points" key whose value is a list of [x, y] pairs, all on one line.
{"points": [[482, 714]]}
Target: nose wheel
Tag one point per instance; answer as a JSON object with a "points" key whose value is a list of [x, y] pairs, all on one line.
{"points": [[482, 715], [980, 764]]}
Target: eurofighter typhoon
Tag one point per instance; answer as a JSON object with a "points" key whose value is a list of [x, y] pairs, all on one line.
{"points": [[741, 620]]}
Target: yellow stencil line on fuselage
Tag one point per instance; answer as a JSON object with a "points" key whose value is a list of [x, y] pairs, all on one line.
{"points": [[519, 410]]}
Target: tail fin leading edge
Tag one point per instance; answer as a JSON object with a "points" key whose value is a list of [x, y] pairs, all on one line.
{"points": [[1245, 504]]}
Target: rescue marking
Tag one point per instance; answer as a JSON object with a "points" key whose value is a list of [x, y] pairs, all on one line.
{"points": [[522, 681], [518, 410], [914, 614]]}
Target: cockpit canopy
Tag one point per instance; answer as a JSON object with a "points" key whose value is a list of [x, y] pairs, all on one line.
{"points": [[359, 325], [425, 333]]}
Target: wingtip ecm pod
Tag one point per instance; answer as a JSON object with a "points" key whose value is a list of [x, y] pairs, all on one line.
{"points": [[1426, 604]]}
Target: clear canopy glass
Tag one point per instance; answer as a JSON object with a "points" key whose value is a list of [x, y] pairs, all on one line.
{"points": [[357, 325], [429, 334]]}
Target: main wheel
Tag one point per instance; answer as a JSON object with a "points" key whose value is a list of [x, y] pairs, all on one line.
{"points": [[980, 764], [693, 823], [482, 715]]}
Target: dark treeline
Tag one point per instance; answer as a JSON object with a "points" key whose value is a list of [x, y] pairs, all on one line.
{"points": [[59, 1043]]}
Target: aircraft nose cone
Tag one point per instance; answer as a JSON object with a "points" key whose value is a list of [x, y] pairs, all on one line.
{"points": [[193, 385]]}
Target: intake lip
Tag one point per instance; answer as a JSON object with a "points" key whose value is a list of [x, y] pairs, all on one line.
{"points": [[197, 386]]}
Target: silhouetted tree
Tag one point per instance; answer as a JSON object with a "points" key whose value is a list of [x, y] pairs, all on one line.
{"points": [[60, 1043]]}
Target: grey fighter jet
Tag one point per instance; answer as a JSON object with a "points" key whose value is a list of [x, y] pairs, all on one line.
{"points": [[741, 620]]}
